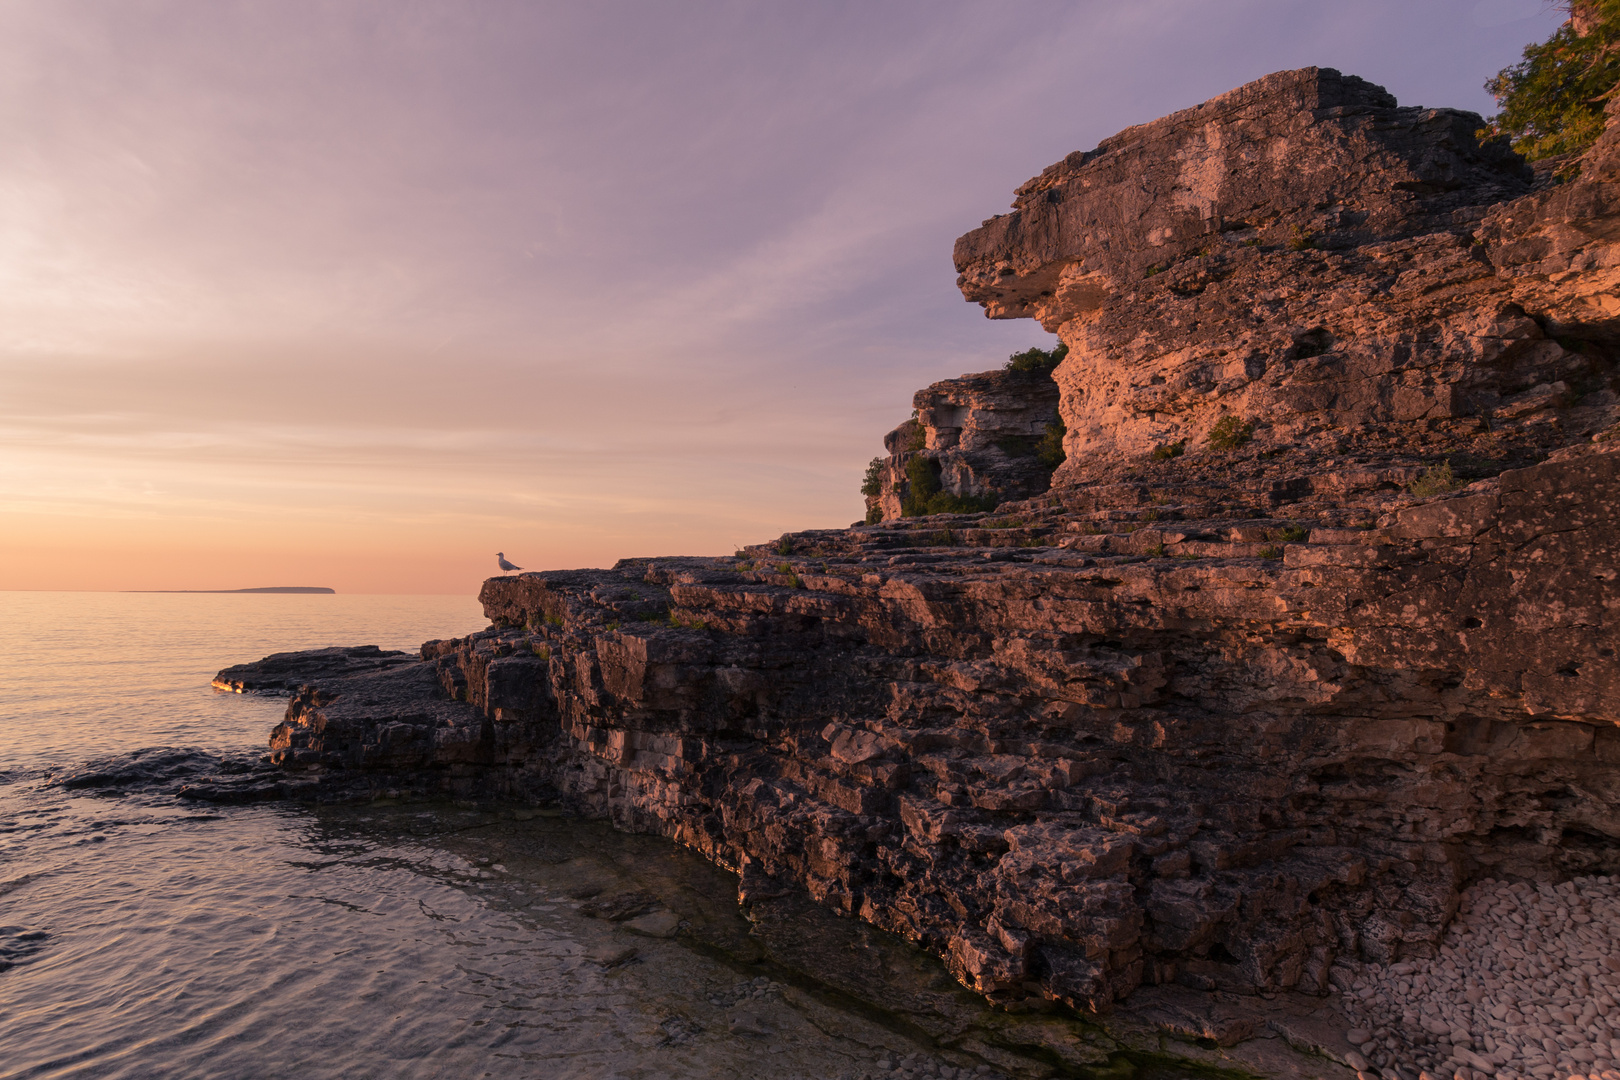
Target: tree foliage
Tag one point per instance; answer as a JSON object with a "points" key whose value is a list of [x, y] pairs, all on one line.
{"points": [[1552, 101], [1049, 451], [1043, 361], [872, 483], [926, 495]]}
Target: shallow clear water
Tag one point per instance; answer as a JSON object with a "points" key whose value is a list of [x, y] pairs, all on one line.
{"points": [[144, 937], [88, 674]]}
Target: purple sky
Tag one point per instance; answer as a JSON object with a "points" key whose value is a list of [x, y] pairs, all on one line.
{"points": [[360, 292]]}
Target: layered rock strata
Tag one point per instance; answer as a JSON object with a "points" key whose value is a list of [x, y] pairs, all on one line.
{"points": [[979, 434], [1309, 259], [1247, 714], [1080, 750]]}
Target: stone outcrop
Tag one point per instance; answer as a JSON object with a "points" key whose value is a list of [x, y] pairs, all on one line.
{"points": [[1246, 714], [979, 434], [1306, 257], [283, 673]]}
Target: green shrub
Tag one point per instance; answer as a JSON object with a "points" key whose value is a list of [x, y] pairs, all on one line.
{"points": [[1301, 239], [1049, 451], [1166, 451], [926, 496], [686, 622], [1291, 532], [784, 546], [943, 502], [1552, 100], [1436, 481], [1229, 433], [1038, 361], [872, 483], [541, 651], [1269, 552], [874, 515], [922, 479]]}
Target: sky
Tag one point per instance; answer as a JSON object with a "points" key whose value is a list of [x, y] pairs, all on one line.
{"points": [[357, 293]]}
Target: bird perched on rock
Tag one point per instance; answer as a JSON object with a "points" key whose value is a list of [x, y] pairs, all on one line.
{"points": [[500, 557]]}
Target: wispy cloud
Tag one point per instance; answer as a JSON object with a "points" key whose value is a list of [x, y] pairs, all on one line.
{"points": [[628, 273]]}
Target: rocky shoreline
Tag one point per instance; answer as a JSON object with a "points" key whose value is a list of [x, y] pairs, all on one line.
{"points": [[1287, 705]]}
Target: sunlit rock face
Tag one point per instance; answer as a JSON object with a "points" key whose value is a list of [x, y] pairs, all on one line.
{"points": [[1242, 717], [1307, 257]]}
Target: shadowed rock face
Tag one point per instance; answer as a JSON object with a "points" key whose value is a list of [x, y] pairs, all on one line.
{"points": [[1239, 719], [980, 432]]}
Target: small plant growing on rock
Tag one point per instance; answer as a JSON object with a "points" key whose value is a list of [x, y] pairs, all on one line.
{"points": [[1157, 550], [1292, 533], [1037, 361], [1049, 451], [1271, 552], [1301, 239], [916, 437], [1230, 432], [554, 620], [1166, 451], [872, 483], [784, 546], [541, 651], [1436, 480], [924, 484]]}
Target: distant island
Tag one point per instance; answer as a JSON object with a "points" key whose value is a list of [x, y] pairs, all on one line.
{"points": [[270, 589]]}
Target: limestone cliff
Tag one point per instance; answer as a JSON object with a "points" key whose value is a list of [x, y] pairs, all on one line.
{"points": [[1244, 714], [979, 435], [1305, 256]]}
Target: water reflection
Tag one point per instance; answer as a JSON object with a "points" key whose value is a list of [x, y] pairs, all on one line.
{"points": [[401, 943]]}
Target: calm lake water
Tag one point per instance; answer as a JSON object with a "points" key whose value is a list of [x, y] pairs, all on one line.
{"points": [[142, 936]]}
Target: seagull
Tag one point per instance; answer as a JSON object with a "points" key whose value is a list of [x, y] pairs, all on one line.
{"points": [[500, 557]]}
